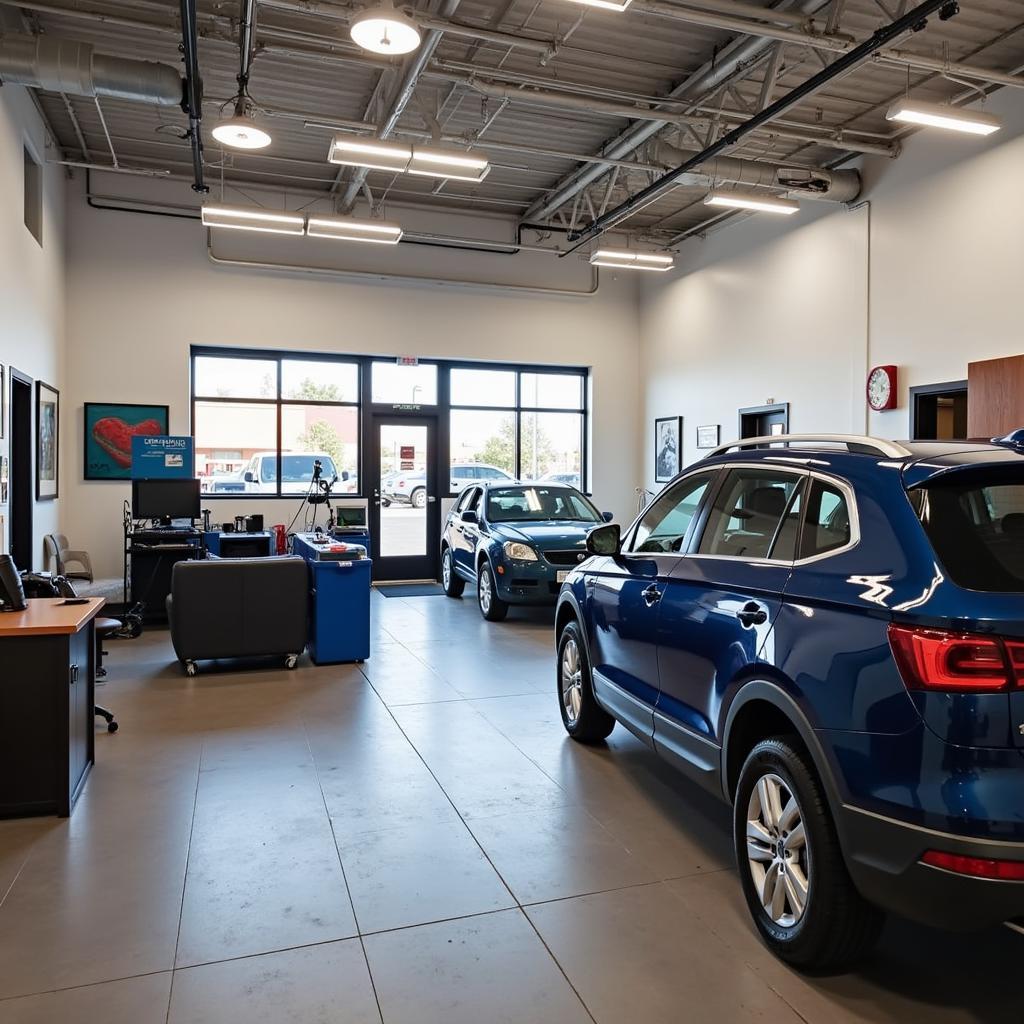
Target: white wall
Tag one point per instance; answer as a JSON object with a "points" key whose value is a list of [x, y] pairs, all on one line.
{"points": [[142, 290], [764, 309], [31, 284]]}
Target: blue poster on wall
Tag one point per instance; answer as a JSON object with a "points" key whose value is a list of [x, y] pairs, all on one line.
{"points": [[162, 458]]}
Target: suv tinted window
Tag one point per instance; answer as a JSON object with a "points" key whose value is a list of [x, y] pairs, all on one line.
{"points": [[977, 529], [748, 513], [664, 525], [827, 525]]}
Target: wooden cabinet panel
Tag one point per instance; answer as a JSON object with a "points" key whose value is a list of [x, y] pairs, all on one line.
{"points": [[995, 397]]}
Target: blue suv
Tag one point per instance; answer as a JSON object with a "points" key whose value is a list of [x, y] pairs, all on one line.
{"points": [[828, 632]]}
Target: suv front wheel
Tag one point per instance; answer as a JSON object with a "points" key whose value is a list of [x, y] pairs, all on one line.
{"points": [[584, 719], [794, 878]]}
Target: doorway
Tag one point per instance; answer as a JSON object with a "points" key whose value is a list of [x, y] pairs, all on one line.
{"points": [[938, 412], [405, 512], [22, 495], [764, 420]]}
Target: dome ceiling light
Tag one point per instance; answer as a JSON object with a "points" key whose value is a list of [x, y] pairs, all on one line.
{"points": [[383, 29]]}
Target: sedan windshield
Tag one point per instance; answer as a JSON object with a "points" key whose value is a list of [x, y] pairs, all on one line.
{"points": [[539, 504]]}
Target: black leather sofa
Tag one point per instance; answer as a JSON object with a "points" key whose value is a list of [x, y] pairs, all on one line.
{"points": [[238, 607]]}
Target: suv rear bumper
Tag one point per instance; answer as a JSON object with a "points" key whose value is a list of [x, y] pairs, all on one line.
{"points": [[883, 856]]}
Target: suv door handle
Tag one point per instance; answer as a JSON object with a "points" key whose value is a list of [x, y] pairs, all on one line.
{"points": [[652, 595], [752, 614]]}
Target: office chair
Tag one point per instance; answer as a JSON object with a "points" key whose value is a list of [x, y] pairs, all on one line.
{"points": [[105, 627], [60, 558]]}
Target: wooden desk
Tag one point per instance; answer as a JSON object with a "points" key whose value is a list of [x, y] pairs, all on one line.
{"points": [[47, 692]]}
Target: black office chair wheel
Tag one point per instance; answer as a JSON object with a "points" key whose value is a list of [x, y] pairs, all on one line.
{"points": [[111, 726]]}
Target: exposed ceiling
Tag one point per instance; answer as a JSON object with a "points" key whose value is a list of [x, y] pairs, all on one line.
{"points": [[542, 111]]}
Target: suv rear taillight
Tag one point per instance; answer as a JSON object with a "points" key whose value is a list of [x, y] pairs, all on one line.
{"points": [[976, 867], [936, 659]]}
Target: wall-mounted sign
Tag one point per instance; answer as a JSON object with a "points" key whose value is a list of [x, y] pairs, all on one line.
{"points": [[406, 407], [162, 457], [407, 361]]}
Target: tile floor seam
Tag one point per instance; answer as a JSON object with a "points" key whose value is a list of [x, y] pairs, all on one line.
{"points": [[87, 984], [184, 880], [494, 867], [341, 864]]}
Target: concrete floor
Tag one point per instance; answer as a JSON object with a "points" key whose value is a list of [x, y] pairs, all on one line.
{"points": [[413, 840]]}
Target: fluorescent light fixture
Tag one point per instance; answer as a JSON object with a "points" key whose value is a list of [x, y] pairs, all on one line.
{"points": [[627, 259], [436, 163], [941, 115], [608, 5], [241, 132], [391, 156], [350, 229], [384, 30], [380, 156], [251, 218], [752, 201]]}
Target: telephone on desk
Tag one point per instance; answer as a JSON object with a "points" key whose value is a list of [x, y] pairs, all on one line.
{"points": [[12, 593]]}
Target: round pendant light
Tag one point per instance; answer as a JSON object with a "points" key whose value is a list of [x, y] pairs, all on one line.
{"points": [[241, 132], [384, 30]]}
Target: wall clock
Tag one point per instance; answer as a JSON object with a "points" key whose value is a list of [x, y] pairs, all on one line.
{"points": [[882, 388]]}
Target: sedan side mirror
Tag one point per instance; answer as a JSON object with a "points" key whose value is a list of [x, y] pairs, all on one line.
{"points": [[604, 540], [607, 516], [470, 516]]}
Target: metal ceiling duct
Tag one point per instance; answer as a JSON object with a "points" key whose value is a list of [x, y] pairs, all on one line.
{"points": [[810, 182], [74, 68]]}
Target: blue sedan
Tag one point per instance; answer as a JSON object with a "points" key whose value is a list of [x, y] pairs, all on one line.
{"points": [[515, 543]]}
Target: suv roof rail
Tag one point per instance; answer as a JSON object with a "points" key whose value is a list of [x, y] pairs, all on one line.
{"points": [[859, 443]]}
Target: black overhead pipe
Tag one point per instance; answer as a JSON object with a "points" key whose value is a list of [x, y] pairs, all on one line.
{"points": [[912, 21], [193, 101]]}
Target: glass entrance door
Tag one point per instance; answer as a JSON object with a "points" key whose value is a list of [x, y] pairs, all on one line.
{"points": [[404, 507]]}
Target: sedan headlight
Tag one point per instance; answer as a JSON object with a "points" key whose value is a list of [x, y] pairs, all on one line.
{"points": [[519, 552]]}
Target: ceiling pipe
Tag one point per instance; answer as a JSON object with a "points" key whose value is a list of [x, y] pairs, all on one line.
{"points": [[656, 117], [738, 54], [836, 186], [75, 69], [912, 21], [192, 105], [545, 47], [368, 128], [410, 79]]}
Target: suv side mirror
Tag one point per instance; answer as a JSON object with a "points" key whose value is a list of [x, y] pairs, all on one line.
{"points": [[607, 516], [249, 478], [470, 516], [604, 540]]}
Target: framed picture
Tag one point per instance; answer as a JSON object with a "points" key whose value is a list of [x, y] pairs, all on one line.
{"points": [[109, 429], [47, 441], [708, 436], [3, 401], [668, 433]]}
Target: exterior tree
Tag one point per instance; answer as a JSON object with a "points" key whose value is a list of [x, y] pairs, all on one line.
{"points": [[321, 436], [500, 448]]}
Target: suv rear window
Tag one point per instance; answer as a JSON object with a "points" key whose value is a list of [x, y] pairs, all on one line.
{"points": [[977, 529]]}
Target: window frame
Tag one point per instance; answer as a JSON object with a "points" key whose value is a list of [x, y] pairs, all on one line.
{"points": [[278, 402], [696, 522], [367, 409]]}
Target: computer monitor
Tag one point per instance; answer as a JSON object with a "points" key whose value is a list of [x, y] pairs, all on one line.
{"points": [[165, 499], [350, 517]]}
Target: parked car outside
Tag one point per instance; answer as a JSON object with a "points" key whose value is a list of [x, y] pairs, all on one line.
{"points": [[516, 543], [831, 637], [411, 488], [260, 473], [571, 479]]}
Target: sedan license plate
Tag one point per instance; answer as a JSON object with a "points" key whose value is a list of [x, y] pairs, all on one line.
{"points": [[562, 575]]}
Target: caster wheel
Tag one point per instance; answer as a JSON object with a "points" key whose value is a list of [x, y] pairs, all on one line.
{"points": [[291, 661], [112, 727], [190, 668]]}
